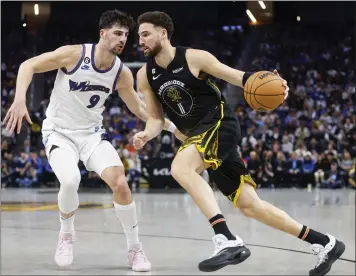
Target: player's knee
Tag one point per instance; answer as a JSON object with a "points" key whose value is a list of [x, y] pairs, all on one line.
{"points": [[120, 186], [252, 208], [70, 181], [177, 171]]}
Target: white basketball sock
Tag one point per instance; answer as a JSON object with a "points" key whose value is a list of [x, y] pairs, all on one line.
{"points": [[67, 224], [127, 215]]}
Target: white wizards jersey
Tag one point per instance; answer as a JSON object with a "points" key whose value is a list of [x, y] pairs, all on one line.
{"points": [[78, 97]]}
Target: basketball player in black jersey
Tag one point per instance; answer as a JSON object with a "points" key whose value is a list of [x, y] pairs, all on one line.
{"points": [[177, 81]]}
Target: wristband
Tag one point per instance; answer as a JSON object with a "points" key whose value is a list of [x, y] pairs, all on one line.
{"points": [[246, 76], [172, 127]]}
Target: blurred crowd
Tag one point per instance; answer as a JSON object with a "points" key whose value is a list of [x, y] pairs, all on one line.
{"points": [[309, 140]]}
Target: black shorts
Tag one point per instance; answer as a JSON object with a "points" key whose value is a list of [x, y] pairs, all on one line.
{"points": [[218, 146]]}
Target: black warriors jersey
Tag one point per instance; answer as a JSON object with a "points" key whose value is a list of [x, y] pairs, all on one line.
{"points": [[194, 105]]}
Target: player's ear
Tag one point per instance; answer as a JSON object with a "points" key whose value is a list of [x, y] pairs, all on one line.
{"points": [[164, 33], [102, 33]]}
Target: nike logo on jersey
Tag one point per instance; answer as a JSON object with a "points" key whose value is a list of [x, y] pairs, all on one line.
{"points": [[154, 78], [85, 67], [177, 70], [85, 86]]}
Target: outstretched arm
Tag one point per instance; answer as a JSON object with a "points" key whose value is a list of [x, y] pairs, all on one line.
{"points": [[136, 105], [61, 57], [206, 62]]}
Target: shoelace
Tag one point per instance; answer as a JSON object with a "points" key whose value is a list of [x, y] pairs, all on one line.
{"points": [[321, 252], [140, 255], [65, 246], [218, 245]]}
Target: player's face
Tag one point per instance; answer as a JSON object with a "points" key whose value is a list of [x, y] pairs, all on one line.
{"points": [[115, 38], [150, 39]]}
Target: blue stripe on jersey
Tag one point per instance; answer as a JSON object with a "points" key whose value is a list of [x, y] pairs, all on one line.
{"points": [[117, 76], [93, 62], [64, 70]]}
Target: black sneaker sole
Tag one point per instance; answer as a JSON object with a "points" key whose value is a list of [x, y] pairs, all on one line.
{"points": [[338, 252], [236, 260]]}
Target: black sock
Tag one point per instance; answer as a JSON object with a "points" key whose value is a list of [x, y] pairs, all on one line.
{"points": [[313, 237], [219, 225]]}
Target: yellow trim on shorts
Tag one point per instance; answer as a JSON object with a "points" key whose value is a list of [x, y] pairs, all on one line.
{"points": [[243, 179], [213, 162]]}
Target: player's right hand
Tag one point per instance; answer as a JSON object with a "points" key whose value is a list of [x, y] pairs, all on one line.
{"points": [[285, 85], [14, 116], [140, 139]]}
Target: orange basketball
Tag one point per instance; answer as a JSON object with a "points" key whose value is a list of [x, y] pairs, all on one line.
{"points": [[263, 91]]}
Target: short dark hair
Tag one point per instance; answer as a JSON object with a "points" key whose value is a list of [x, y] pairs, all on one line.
{"points": [[159, 19], [115, 17]]}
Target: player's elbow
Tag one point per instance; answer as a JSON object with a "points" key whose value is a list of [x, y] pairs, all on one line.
{"points": [[27, 66]]}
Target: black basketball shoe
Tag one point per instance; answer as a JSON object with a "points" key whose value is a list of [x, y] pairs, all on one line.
{"points": [[227, 252], [326, 255]]}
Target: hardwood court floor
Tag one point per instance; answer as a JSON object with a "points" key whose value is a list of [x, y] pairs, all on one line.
{"points": [[175, 235]]}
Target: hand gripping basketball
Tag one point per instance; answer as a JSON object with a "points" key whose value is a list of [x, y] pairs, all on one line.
{"points": [[284, 84], [265, 91]]}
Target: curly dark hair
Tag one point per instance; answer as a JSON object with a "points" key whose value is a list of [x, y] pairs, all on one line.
{"points": [[115, 17], [159, 19]]}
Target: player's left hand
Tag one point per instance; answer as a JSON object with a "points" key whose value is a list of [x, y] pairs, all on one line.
{"points": [[284, 84], [14, 116], [180, 136], [140, 139]]}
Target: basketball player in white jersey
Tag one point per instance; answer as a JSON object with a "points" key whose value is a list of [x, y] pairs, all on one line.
{"points": [[87, 75]]}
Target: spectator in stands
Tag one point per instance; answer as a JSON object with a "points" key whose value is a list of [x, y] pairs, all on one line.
{"points": [[308, 166], [8, 170], [5, 147], [287, 146], [334, 180], [314, 145], [302, 132], [321, 167], [22, 169], [330, 150], [294, 169], [27, 146], [272, 135], [268, 172], [254, 167], [134, 169], [250, 141], [346, 165], [301, 150], [36, 165], [280, 169], [5, 174]]}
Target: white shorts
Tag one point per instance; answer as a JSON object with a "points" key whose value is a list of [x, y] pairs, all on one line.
{"points": [[87, 145]]}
